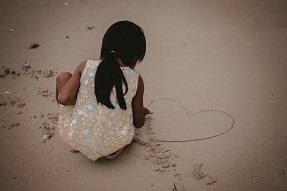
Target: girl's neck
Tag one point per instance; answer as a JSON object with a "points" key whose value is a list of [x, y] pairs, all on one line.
{"points": [[122, 64]]}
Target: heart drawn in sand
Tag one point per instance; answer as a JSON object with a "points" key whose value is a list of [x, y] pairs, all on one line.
{"points": [[172, 122]]}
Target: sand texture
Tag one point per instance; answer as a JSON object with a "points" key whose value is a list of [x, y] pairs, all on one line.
{"points": [[215, 76]]}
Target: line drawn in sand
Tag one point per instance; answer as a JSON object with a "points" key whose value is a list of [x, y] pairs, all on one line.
{"points": [[164, 160], [193, 114]]}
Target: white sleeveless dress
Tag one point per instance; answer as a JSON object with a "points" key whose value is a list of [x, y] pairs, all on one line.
{"points": [[92, 128]]}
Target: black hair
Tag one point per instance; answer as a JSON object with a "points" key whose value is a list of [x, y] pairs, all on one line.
{"points": [[124, 40]]}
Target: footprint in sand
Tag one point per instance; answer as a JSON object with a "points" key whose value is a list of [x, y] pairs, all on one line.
{"points": [[47, 93], [198, 126], [163, 160], [12, 101], [49, 125], [27, 72]]}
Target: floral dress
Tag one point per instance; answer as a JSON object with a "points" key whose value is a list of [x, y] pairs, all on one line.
{"points": [[92, 128]]}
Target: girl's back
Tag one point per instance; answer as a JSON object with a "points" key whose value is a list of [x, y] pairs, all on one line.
{"points": [[94, 129]]}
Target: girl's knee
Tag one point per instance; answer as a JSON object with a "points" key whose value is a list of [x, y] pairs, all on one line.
{"points": [[63, 76]]}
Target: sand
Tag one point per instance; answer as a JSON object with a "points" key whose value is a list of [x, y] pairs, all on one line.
{"points": [[215, 79]]}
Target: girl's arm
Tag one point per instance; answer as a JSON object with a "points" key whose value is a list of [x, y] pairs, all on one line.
{"points": [[139, 111], [68, 94]]}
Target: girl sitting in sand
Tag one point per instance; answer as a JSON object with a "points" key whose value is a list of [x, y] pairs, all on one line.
{"points": [[102, 102]]}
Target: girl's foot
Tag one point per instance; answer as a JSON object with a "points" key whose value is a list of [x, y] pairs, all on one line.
{"points": [[73, 150], [116, 154]]}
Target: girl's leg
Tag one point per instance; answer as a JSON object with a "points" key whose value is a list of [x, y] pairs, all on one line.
{"points": [[61, 81], [117, 153]]}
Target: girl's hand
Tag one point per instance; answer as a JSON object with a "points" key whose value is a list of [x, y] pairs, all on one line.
{"points": [[68, 94], [146, 111]]}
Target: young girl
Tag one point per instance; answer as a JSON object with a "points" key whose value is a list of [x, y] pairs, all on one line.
{"points": [[102, 102]]}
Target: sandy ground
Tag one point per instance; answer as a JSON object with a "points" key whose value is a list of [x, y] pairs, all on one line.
{"points": [[211, 67]]}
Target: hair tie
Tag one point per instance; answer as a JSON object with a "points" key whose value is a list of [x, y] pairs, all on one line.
{"points": [[113, 52]]}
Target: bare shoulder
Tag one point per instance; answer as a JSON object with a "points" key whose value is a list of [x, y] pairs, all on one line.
{"points": [[140, 80], [81, 67], [137, 105], [140, 84]]}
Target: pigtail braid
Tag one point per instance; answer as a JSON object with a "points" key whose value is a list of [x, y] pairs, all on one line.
{"points": [[109, 75]]}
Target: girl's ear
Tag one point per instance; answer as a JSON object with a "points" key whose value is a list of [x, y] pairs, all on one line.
{"points": [[135, 62]]}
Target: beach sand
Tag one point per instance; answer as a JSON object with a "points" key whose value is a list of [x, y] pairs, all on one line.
{"points": [[215, 79]]}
